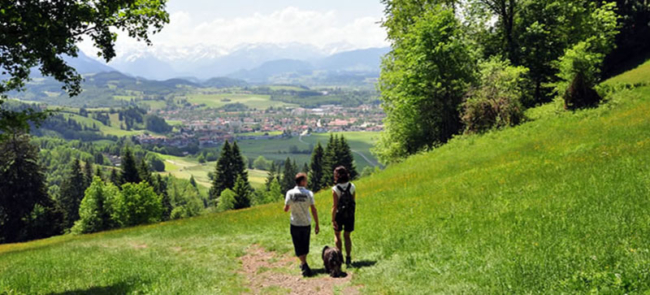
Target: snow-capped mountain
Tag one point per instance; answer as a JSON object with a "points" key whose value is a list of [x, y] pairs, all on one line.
{"points": [[205, 61]]}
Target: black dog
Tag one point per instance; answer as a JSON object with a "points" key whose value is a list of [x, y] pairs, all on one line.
{"points": [[332, 259]]}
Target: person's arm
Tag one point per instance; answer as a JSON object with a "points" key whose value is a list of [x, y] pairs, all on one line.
{"points": [[314, 213], [287, 199], [335, 204]]}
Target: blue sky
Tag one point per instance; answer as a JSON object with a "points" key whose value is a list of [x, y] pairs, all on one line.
{"points": [[345, 24]]}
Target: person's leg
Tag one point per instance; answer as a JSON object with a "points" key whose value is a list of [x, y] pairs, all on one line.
{"points": [[348, 243], [303, 259], [337, 240]]}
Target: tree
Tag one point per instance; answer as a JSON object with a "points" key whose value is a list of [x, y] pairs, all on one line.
{"points": [[275, 193], [23, 190], [42, 33], [96, 208], [223, 178], [242, 192], [316, 168], [289, 175], [230, 166], [261, 163], [201, 159], [226, 201], [345, 157], [192, 181], [496, 103], [184, 198], [422, 83], [72, 192], [271, 176], [156, 124], [136, 204], [144, 172], [115, 177], [161, 189], [89, 173], [130, 173], [329, 162]]}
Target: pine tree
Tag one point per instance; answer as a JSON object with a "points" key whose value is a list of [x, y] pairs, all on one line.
{"points": [[316, 168], [239, 164], [271, 176], [145, 173], [71, 194], [130, 173], [22, 187], [289, 174], [329, 162], [242, 192], [89, 173], [223, 174], [346, 158], [99, 173], [305, 168], [193, 181], [115, 178], [161, 189]]}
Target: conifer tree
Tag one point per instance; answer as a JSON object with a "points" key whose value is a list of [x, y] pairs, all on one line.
{"points": [[89, 173], [99, 173], [316, 168], [238, 163], [71, 194], [271, 176], [145, 173], [346, 158], [193, 181], [115, 178], [242, 192], [329, 162], [288, 175], [223, 173], [130, 173], [22, 187], [161, 190]]}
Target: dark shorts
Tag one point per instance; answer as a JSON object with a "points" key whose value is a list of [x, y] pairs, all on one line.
{"points": [[345, 224], [300, 236]]}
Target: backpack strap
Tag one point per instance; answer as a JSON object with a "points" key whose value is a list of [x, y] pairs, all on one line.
{"points": [[349, 188]]}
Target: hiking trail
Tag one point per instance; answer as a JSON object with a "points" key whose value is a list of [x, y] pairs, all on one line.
{"points": [[269, 272]]}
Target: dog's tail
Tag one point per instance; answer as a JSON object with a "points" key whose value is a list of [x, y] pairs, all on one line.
{"points": [[325, 249]]}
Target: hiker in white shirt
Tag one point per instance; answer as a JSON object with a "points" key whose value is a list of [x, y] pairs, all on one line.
{"points": [[300, 200]]}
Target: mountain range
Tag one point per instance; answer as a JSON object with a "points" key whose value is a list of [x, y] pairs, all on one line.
{"points": [[259, 63]]}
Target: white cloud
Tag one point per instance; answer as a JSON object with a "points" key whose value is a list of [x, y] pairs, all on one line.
{"points": [[289, 25]]}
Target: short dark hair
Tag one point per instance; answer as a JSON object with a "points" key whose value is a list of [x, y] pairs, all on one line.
{"points": [[300, 177], [341, 175]]}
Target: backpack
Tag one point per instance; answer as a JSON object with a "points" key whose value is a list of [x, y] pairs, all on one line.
{"points": [[346, 205]]}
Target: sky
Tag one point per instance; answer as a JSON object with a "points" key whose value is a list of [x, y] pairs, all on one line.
{"points": [[228, 24]]}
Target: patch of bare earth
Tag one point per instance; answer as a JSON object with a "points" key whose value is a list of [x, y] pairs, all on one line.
{"points": [[270, 272]]}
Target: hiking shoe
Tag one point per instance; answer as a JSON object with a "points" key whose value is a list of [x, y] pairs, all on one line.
{"points": [[348, 261], [306, 271]]}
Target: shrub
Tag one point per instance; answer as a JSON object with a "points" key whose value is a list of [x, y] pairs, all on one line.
{"points": [[137, 204], [96, 208], [226, 201], [496, 102]]}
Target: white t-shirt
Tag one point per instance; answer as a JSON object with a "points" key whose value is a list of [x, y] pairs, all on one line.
{"points": [[300, 199], [344, 186]]}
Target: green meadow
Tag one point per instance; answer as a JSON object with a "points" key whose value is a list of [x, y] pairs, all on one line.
{"points": [[253, 101], [557, 205]]}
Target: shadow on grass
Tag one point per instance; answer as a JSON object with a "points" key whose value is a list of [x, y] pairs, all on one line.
{"points": [[118, 288], [363, 263], [321, 271]]}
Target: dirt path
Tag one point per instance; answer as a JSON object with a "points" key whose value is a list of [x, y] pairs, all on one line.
{"points": [[269, 272]]}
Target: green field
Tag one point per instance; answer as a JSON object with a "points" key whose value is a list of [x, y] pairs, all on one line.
{"points": [[277, 149], [558, 205], [254, 101]]}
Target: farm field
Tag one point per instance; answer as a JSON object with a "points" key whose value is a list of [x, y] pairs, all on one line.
{"points": [[277, 149], [557, 205], [254, 101]]}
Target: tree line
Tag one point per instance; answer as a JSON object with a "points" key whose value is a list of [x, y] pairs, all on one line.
{"points": [[471, 66]]}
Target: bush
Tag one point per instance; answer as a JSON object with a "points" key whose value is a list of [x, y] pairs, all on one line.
{"points": [[226, 201], [96, 208], [137, 204], [496, 102]]}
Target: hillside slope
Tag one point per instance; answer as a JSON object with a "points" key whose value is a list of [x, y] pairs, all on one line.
{"points": [[557, 205]]}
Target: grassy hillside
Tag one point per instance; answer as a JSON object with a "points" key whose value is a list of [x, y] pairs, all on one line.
{"points": [[557, 205]]}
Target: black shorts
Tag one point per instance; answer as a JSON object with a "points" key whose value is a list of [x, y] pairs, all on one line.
{"points": [[300, 236], [345, 224]]}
